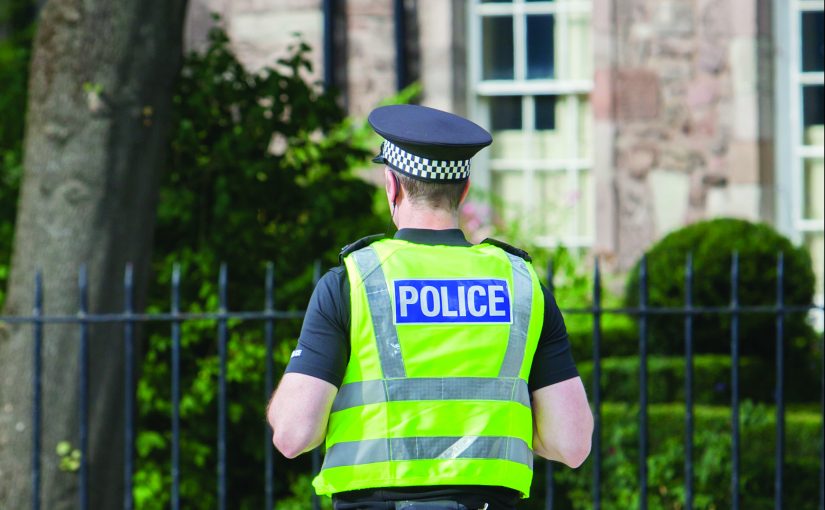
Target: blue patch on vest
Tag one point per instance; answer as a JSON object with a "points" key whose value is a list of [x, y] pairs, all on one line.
{"points": [[475, 301]]}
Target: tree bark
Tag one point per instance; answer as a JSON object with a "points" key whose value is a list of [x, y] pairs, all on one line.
{"points": [[101, 82]]}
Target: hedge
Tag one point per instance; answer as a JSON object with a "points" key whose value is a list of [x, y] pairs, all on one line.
{"points": [[711, 455], [619, 335], [666, 379]]}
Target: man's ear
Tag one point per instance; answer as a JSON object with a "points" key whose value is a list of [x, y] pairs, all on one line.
{"points": [[390, 184], [396, 187], [465, 192]]}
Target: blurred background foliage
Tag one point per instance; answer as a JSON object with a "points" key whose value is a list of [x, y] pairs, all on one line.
{"points": [[16, 32], [260, 169]]}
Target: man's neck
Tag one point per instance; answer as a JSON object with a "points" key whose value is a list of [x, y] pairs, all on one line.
{"points": [[431, 219]]}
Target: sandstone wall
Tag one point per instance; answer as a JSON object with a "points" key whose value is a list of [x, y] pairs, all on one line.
{"points": [[260, 30], [683, 123]]}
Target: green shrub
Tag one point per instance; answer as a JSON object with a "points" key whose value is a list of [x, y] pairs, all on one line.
{"points": [[619, 335], [711, 456], [712, 243], [259, 169], [15, 51], [666, 379]]}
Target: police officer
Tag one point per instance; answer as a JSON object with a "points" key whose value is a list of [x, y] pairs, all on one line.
{"points": [[433, 368]]}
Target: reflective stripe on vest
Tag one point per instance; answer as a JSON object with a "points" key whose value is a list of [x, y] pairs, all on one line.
{"points": [[353, 453], [431, 388], [523, 286], [386, 335]]}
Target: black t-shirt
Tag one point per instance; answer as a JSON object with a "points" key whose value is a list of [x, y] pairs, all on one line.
{"points": [[324, 347]]}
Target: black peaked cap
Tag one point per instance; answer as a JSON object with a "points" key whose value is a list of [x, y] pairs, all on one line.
{"points": [[429, 133]]}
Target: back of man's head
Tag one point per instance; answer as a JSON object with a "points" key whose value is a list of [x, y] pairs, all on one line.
{"points": [[428, 151], [433, 195]]}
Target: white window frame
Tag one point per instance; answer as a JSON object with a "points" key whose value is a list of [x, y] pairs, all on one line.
{"points": [[792, 153], [573, 89]]}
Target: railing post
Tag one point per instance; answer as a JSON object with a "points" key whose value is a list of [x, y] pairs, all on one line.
{"points": [[400, 22], [734, 340], [222, 334], [689, 382], [597, 386], [83, 400], [175, 309], [549, 484], [780, 380], [643, 383], [269, 383], [37, 379], [128, 389]]}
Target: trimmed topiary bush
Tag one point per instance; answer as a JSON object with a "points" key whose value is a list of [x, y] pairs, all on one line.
{"points": [[712, 244]]}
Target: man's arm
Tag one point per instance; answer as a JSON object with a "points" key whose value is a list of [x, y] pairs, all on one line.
{"points": [[298, 413], [299, 409], [562, 422]]}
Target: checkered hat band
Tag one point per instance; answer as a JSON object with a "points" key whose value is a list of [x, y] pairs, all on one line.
{"points": [[424, 168]]}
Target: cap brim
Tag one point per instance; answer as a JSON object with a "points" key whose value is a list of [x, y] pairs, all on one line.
{"points": [[379, 159]]}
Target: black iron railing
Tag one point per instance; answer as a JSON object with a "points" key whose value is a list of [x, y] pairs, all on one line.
{"points": [[267, 317]]}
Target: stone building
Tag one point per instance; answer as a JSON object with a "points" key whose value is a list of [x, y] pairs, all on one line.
{"points": [[615, 121]]}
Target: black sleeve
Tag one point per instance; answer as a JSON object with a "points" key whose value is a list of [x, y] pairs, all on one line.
{"points": [[553, 361], [323, 347]]}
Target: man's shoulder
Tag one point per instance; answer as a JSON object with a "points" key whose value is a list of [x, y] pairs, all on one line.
{"points": [[357, 245], [512, 250]]}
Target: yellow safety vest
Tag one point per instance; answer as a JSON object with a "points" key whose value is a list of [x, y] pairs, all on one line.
{"points": [[435, 392]]}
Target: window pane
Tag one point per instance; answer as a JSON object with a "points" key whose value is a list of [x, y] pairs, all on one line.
{"points": [[505, 112], [813, 44], [506, 125], [813, 97], [584, 204], [571, 135], [508, 188], [814, 189], [577, 48], [496, 1], [585, 135], [511, 144], [497, 37], [540, 46], [545, 113], [554, 215]]}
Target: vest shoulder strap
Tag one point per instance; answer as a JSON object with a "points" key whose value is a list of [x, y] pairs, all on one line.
{"points": [[509, 249], [357, 245]]}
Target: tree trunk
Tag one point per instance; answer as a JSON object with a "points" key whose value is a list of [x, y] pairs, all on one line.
{"points": [[102, 76]]}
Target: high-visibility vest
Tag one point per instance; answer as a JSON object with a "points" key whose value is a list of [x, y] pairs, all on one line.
{"points": [[435, 392]]}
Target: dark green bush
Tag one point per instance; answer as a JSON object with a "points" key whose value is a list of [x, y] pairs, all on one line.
{"points": [[712, 243], [712, 460], [17, 17], [666, 379], [619, 336]]}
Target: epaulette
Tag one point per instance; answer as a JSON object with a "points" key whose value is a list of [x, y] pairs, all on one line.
{"points": [[357, 245], [509, 249]]}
